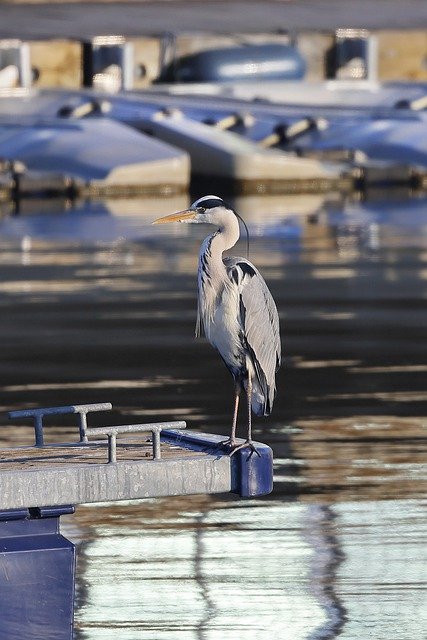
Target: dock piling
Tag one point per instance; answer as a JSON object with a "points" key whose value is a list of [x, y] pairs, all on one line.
{"points": [[37, 565]]}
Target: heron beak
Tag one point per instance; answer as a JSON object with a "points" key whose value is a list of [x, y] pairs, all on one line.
{"points": [[180, 216]]}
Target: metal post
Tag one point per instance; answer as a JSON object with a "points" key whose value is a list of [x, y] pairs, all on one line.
{"points": [[354, 56], [38, 428], [83, 426], [156, 444], [112, 447], [15, 66], [108, 63]]}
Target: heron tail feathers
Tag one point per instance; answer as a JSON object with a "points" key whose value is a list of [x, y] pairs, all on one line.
{"points": [[261, 402]]}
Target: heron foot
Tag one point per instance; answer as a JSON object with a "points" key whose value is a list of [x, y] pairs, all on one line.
{"points": [[228, 444], [236, 447]]}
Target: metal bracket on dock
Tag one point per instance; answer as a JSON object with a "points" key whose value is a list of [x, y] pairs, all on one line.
{"points": [[108, 63], [353, 56], [37, 416], [246, 120], [284, 133], [15, 67]]}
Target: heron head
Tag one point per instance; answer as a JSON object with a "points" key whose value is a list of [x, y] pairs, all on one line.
{"points": [[208, 210]]}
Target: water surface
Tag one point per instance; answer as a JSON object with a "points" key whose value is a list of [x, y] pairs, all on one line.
{"points": [[97, 305]]}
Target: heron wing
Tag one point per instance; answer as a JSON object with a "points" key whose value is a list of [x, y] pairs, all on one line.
{"points": [[198, 331], [259, 323]]}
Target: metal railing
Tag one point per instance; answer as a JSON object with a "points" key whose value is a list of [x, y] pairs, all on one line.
{"points": [[155, 428], [37, 416]]}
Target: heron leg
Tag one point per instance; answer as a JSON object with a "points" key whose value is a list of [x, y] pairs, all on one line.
{"points": [[236, 411], [231, 441], [249, 398], [248, 443]]}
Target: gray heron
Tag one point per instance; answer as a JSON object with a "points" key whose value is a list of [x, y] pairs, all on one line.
{"points": [[235, 310]]}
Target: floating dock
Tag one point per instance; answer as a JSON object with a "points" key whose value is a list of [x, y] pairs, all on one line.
{"points": [[125, 462], [39, 483]]}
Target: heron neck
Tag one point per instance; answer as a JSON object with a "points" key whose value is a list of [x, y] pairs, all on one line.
{"points": [[214, 246], [212, 274]]}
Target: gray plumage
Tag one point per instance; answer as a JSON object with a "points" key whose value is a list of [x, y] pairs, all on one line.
{"points": [[255, 334], [236, 310]]}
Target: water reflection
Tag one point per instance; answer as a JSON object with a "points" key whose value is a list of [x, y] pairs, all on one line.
{"points": [[219, 572], [223, 570], [97, 305]]}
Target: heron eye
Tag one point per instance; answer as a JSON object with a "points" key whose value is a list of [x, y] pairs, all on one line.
{"points": [[200, 210]]}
